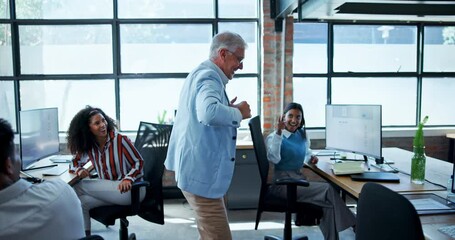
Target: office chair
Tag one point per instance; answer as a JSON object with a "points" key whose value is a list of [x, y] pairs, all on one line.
{"points": [[270, 203], [92, 237], [151, 142], [386, 215]]}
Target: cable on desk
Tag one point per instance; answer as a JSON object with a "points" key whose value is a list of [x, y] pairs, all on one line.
{"points": [[406, 173]]}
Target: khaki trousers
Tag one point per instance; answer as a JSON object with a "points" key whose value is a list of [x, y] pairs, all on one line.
{"points": [[211, 217]]}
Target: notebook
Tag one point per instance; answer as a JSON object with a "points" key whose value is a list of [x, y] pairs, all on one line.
{"points": [[346, 168], [376, 177], [56, 171]]}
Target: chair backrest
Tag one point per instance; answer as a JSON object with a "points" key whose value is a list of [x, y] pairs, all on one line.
{"points": [[385, 214], [152, 143], [259, 149]]}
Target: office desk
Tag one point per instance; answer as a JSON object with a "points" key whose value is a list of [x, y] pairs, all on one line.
{"points": [[67, 177], [437, 171]]}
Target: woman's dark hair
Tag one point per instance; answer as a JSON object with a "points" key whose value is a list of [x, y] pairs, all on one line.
{"points": [[6, 142], [297, 106], [79, 137]]}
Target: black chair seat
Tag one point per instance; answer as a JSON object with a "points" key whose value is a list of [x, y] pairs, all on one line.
{"points": [[108, 214]]}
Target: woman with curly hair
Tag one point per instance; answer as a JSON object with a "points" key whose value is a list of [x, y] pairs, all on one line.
{"points": [[92, 136]]}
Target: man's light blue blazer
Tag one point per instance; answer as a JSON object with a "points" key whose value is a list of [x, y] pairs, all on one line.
{"points": [[203, 139]]}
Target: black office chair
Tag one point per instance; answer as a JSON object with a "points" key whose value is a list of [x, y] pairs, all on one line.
{"points": [[92, 237], [383, 214], [151, 142], [270, 203]]}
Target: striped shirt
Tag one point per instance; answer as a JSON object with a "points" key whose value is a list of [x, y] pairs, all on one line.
{"points": [[117, 161]]}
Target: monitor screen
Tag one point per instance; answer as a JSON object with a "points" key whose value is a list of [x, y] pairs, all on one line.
{"points": [[354, 128], [38, 130]]}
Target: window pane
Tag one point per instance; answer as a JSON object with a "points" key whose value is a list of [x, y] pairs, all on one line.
{"points": [[6, 54], [238, 8], [248, 31], [165, 9], [7, 102], [161, 48], [245, 89], [374, 48], [146, 99], [310, 48], [439, 49], [438, 99], [396, 95], [312, 94], [69, 96], [74, 49], [137, 94], [63, 9], [4, 8]]}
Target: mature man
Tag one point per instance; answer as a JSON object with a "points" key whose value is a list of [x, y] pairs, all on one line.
{"points": [[47, 210], [202, 144]]}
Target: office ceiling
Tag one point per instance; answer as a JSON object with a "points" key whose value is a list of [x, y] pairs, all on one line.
{"points": [[379, 10]]}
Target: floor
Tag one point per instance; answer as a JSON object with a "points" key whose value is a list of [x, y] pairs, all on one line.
{"points": [[180, 224]]}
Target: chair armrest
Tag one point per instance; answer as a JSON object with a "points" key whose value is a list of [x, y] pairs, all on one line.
{"points": [[291, 189], [292, 181], [135, 196]]}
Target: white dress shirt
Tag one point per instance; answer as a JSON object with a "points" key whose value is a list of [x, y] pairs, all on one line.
{"points": [[47, 210]]}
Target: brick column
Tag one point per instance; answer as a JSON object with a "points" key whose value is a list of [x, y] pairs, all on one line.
{"points": [[277, 54]]}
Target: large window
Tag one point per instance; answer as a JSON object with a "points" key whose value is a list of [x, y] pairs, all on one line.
{"points": [[376, 64], [374, 48], [128, 57]]}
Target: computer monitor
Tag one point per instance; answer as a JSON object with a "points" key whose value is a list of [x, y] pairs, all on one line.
{"points": [[38, 131], [355, 128]]}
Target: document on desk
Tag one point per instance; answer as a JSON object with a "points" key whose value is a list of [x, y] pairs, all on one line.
{"points": [[429, 203], [345, 168]]}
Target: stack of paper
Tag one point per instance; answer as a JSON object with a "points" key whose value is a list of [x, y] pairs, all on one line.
{"points": [[342, 168]]}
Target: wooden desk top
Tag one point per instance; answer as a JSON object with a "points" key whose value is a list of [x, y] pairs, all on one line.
{"points": [[242, 144], [67, 177], [450, 135], [437, 171]]}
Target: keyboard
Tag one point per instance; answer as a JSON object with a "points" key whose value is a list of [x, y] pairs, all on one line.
{"points": [[61, 158], [448, 230], [324, 152]]}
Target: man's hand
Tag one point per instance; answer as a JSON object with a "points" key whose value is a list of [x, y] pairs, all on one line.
{"points": [[243, 106]]}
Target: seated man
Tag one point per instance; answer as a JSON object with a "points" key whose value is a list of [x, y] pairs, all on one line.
{"points": [[47, 210]]}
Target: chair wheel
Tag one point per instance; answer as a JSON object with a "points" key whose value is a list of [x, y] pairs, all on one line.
{"points": [[132, 236]]}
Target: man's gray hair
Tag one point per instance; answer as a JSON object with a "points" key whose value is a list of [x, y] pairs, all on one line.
{"points": [[229, 40]]}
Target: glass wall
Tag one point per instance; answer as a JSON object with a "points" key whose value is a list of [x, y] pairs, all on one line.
{"points": [[128, 57], [376, 64]]}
